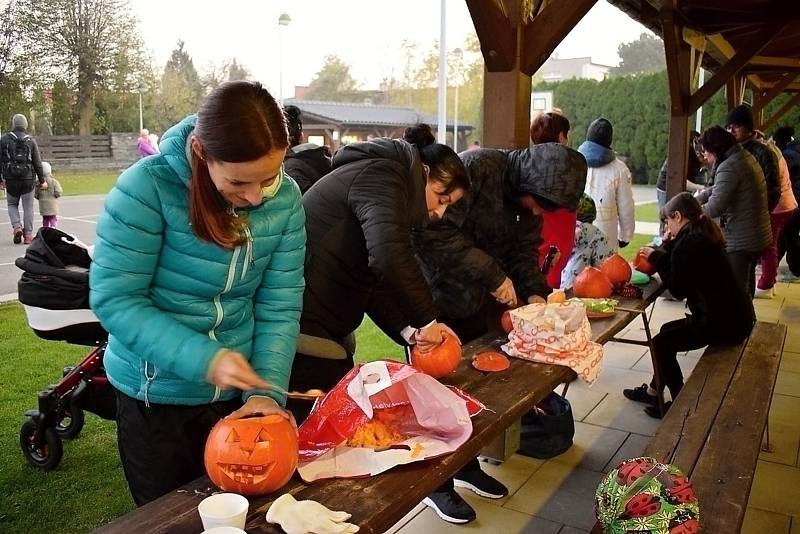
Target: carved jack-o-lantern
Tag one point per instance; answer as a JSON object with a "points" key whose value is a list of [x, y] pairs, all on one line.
{"points": [[251, 456]]}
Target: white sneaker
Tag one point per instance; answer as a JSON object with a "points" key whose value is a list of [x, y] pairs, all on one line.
{"points": [[764, 293]]}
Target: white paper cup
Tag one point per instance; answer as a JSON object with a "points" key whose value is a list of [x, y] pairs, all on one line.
{"points": [[224, 510], [224, 530]]}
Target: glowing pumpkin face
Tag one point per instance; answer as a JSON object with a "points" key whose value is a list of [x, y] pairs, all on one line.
{"points": [[251, 456]]}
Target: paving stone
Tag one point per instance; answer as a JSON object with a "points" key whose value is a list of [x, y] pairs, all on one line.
{"points": [[593, 447], [559, 493]]}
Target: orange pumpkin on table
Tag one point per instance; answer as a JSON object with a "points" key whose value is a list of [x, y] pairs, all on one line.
{"points": [[439, 361], [253, 455], [616, 269], [592, 283], [643, 265], [505, 321]]}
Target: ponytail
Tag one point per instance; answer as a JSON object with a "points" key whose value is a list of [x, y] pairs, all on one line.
{"points": [[699, 223]]}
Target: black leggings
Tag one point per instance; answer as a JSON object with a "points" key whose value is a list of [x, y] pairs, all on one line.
{"points": [[162, 446], [675, 336]]}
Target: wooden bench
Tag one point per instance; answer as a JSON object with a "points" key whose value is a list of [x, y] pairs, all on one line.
{"points": [[713, 431], [378, 502]]}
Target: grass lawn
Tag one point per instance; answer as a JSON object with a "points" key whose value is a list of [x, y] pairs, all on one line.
{"points": [[87, 182], [647, 212], [88, 488]]}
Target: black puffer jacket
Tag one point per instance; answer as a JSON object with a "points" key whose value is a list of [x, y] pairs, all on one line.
{"points": [[359, 256], [487, 235], [307, 163], [693, 267]]}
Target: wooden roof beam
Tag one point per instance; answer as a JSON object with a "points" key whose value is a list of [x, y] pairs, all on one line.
{"points": [[772, 121], [733, 65], [779, 62], [546, 31], [497, 36], [768, 96]]}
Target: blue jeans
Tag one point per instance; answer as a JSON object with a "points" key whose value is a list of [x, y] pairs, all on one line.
{"points": [[27, 209], [662, 200]]}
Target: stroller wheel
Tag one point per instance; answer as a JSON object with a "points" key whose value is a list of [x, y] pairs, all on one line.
{"points": [[47, 454], [72, 423]]}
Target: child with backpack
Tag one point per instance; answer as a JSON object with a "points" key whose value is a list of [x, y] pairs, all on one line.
{"points": [[48, 198]]}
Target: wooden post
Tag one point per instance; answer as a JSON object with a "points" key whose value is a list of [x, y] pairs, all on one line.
{"points": [[758, 108], [506, 109], [678, 55]]}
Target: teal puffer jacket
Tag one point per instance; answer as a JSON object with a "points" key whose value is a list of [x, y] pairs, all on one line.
{"points": [[171, 301]]}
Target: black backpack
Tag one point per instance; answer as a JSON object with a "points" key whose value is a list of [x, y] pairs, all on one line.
{"points": [[19, 160]]}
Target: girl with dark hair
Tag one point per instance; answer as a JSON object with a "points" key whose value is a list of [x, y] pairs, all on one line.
{"points": [[360, 259], [306, 163], [739, 199], [198, 278], [693, 265]]}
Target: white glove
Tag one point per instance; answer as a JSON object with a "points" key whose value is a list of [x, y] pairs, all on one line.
{"points": [[308, 517]]}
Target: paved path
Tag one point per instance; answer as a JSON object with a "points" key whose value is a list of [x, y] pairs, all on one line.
{"points": [[78, 217]]}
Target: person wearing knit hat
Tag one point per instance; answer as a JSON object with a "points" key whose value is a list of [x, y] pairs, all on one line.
{"points": [[780, 199], [591, 245], [20, 168], [609, 183], [739, 122]]}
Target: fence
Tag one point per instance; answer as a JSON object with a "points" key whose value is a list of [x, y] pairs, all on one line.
{"points": [[89, 152]]}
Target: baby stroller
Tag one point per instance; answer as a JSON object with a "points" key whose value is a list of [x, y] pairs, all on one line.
{"points": [[54, 290]]}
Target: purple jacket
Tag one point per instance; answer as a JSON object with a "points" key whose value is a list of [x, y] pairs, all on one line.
{"points": [[144, 148]]}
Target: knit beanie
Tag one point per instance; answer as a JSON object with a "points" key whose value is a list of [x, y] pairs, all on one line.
{"points": [[601, 132], [741, 115], [19, 121]]}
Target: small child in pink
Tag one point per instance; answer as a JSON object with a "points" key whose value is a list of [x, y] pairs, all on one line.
{"points": [[48, 203]]}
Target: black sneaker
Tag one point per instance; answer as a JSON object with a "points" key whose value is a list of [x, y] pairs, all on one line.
{"points": [[479, 482], [653, 412], [17, 236], [640, 395], [450, 506]]}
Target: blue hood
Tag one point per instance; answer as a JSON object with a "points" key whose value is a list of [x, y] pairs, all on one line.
{"points": [[596, 155]]}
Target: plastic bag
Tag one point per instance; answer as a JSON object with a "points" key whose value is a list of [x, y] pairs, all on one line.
{"points": [[436, 421], [556, 334]]}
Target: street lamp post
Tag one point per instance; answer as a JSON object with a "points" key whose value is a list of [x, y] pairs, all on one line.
{"points": [[283, 21], [141, 119], [458, 55]]}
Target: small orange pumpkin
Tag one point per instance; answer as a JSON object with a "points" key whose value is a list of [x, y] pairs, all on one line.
{"points": [[643, 265], [616, 269], [253, 455], [439, 361], [592, 283]]}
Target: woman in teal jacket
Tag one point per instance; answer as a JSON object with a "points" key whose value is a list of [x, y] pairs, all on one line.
{"points": [[198, 278]]}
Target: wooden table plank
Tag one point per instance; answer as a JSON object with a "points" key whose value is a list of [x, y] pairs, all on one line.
{"points": [[507, 396], [724, 473]]}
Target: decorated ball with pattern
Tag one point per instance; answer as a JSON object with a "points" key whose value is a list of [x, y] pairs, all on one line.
{"points": [[644, 495]]}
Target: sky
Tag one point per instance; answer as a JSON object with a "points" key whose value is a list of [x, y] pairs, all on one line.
{"points": [[364, 33]]}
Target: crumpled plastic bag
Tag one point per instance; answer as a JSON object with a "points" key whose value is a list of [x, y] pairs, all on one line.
{"points": [[557, 334], [436, 421]]}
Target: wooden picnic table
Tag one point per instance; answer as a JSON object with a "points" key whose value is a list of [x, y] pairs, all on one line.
{"points": [[378, 502]]}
